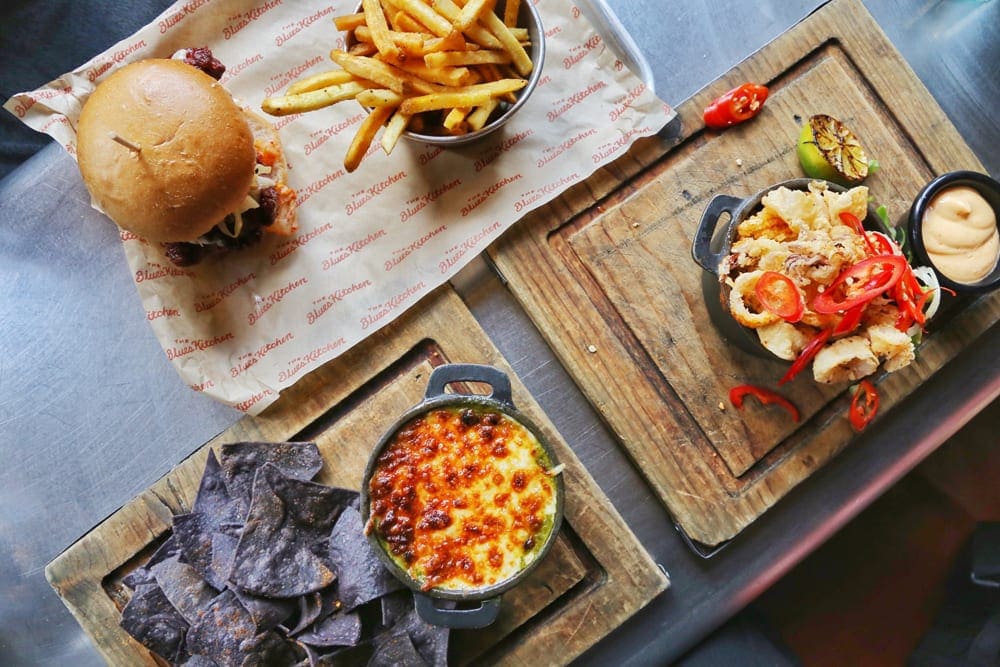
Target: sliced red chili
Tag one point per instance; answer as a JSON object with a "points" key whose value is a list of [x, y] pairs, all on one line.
{"points": [[852, 221], [739, 104], [807, 354], [860, 283], [765, 396], [850, 321], [779, 295], [880, 244], [864, 405], [911, 306]]}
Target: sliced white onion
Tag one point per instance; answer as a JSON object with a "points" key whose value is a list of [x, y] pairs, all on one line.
{"points": [[249, 202], [237, 226], [929, 279]]}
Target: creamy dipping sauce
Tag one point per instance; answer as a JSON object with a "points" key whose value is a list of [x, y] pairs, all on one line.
{"points": [[960, 235]]}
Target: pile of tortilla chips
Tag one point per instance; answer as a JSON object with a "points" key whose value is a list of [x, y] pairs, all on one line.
{"points": [[271, 568]]}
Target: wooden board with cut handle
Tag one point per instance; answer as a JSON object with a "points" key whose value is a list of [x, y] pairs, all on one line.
{"points": [[606, 273], [595, 577]]}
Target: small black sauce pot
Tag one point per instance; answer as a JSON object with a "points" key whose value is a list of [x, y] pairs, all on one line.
{"points": [[435, 398]]}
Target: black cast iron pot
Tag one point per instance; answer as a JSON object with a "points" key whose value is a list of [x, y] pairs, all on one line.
{"points": [[435, 398], [712, 244]]}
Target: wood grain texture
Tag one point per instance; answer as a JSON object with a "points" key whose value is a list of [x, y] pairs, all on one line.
{"points": [[617, 266], [595, 577]]}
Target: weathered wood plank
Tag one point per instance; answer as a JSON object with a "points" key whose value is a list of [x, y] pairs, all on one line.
{"points": [[597, 570], [617, 265]]}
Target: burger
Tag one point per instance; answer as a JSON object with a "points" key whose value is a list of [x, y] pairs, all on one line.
{"points": [[168, 154]]}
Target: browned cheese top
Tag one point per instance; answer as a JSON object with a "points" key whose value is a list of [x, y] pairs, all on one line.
{"points": [[462, 498]]}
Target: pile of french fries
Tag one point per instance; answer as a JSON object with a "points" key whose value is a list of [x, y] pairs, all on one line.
{"points": [[440, 67]]}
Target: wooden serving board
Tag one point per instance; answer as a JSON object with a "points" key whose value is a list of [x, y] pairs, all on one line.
{"points": [[595, 577], [606, 273]]}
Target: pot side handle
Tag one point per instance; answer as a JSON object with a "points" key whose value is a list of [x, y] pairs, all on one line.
{"points": [[479, 617], [701, 249], [444, 375]]}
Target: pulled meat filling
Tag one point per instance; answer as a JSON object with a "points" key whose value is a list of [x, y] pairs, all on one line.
{"points": [[184, 253], [202, 58]]}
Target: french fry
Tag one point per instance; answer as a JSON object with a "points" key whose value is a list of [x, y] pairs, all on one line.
{"points": [[454, 121], [285, 105], [409, 43], [362, 49], [467, 96], [510, 11], [522, 61], [393, 131], [349, 22], [321, 80], [421, 66], [363, 138], [492, 73], [445, 76], [455, 41], [471, 12], [424, 15], [375, 20], [477, 119], [393, 78], [521, 35], [460, 58], [405, 22], [450, 12], [379, 97], [390, 14]]}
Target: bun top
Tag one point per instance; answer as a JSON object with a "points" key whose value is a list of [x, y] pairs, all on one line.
{"points": [[196, 156]]}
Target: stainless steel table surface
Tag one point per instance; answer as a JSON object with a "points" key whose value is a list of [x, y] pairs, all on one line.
{"points": [[91, 412]]}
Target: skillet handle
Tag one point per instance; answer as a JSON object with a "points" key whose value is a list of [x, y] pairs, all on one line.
{"points": [[448, 373], [701, 249], [479, 617]]}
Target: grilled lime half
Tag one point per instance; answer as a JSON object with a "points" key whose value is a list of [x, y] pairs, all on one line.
{"points": [[827, 149]]}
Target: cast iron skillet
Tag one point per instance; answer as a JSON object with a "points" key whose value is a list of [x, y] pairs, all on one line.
{"points": [[498, 401], [710, 247]]}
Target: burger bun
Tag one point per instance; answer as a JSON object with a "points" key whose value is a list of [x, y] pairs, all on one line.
{"points": [[164, 150]]}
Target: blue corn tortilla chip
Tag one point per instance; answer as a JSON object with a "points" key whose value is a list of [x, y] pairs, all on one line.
{"points": [[240, 462], [225, 633], [395, 606], [361, 577], [143, 574], [153, 622], [182, 586], [350, 656], [203, 534], [431, 641], [335, 630], [213, 496], [205, 547], [288, 517], [300, 584], [310, 606], [396, 649], [267, 613]]}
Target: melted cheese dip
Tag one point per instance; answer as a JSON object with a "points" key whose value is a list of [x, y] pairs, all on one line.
{"points": [[462, 498], [960, 235]]}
